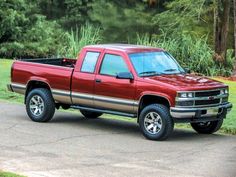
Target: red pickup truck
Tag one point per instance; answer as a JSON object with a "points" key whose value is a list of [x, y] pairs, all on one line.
{"points": [[128, 80]]}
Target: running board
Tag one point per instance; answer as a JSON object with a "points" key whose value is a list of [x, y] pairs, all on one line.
{"points": [[104, 111]]}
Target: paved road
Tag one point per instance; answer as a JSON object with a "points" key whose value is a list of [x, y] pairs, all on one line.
{"points": [[72, 146]]}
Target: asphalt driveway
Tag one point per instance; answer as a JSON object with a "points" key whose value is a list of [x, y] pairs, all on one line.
{"points": [[70, 145]]}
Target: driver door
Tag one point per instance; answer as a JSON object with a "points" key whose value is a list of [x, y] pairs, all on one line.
{"points": [[112, 93]]}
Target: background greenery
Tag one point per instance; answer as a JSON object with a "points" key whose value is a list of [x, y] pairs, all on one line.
{"points": [[229, 125], [8, 174], [43, 28]]}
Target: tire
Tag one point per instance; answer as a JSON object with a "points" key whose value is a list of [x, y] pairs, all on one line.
{"points": [[90, 114], [42, 100], [156, 115], [207, 127]]}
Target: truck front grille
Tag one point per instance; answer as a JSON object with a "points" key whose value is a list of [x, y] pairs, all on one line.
{"points": [[202, 98], [207, 102], [207, 93]]}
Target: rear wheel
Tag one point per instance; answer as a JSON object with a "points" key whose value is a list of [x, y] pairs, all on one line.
{"points": [[207, 127], [90, 114], [40, 105], [155, 122]]}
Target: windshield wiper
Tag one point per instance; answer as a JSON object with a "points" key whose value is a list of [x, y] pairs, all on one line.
{"points": [[149, 73], [170, 70]]}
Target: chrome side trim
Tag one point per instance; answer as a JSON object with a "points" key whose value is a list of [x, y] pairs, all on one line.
{"points": [[105, 99], [82, 95], [82, 99], [115, 100], [61, 96], [105, 102], [116, 104], [61, 92], [18, 88]]}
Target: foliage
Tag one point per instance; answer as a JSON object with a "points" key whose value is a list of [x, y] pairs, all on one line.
{"points": [[76, 12], [42, 28], [192, 52], [186, 17], [121, 20], [86, 35], [8, 174], [24, 35], [41, 40], [69, 13], [13, 18]]}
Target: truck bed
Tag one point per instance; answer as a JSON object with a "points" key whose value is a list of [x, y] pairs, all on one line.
{"points": [[65, 62]]}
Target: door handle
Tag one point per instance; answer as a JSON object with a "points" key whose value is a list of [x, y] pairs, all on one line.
{"points": [[98, 80]]}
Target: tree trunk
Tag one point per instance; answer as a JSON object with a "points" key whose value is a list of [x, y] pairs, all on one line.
{"points": [[234, 72], [221, 30], [215, 24]]}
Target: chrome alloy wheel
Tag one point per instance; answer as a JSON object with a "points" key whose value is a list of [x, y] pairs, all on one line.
{"points": [[153, 122], [36, 105]]}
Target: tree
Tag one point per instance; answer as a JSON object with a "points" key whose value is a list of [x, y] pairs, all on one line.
{"points": [[13, 19], [234, 72], [122, 20], [25, 33], [222, 12], [185, 17]]}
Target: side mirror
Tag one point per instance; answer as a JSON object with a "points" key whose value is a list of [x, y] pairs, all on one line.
{"points": [[125, 75], [187, 70]]}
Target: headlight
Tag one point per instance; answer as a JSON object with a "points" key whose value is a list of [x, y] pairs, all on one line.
{"points": [[224, 91], [186, 95]]}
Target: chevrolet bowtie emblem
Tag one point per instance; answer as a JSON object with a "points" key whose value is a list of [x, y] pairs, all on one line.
{"points": [[211, 98]]}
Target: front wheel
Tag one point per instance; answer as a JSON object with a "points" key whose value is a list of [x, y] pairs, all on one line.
{"points": [[40, 105], [155, 122], [90, 114], [207, 127]]}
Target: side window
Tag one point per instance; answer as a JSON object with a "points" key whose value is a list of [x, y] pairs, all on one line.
{"points": [[89, 62], [113, 64]]}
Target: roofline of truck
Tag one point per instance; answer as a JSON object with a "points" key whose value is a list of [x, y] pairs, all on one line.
{"points": [[129, 48]]}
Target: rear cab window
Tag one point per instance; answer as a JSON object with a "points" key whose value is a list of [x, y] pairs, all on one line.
{"points": [[90, 61], [112, 65]]}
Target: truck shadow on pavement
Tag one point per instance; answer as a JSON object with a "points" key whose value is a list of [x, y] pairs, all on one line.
{"points": [[129, 128]]}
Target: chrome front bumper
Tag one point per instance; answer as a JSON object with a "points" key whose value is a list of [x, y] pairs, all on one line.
{"points": [[201, 112]]}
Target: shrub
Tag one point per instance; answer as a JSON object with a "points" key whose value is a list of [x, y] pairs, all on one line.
{"points": [[77, 39], [42, 39], [191, 52]]}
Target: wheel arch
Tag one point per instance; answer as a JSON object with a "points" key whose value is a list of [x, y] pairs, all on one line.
{"points": [[32, 84], [148, 99]]}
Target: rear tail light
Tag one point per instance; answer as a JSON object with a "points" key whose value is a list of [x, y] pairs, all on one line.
{"points": [[12, 66]]}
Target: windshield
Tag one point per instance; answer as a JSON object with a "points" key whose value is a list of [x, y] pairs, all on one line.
{"points": [[155, 63]]}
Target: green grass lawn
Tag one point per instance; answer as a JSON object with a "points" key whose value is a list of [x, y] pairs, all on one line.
{"points": [[229, 125], [7, 174], [5, 71]]}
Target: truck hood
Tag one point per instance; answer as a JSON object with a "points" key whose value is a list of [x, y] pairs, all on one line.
{"points": [[186, 81]]}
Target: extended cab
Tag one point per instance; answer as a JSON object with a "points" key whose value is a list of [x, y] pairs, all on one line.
{"points": [[128, 80]]}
